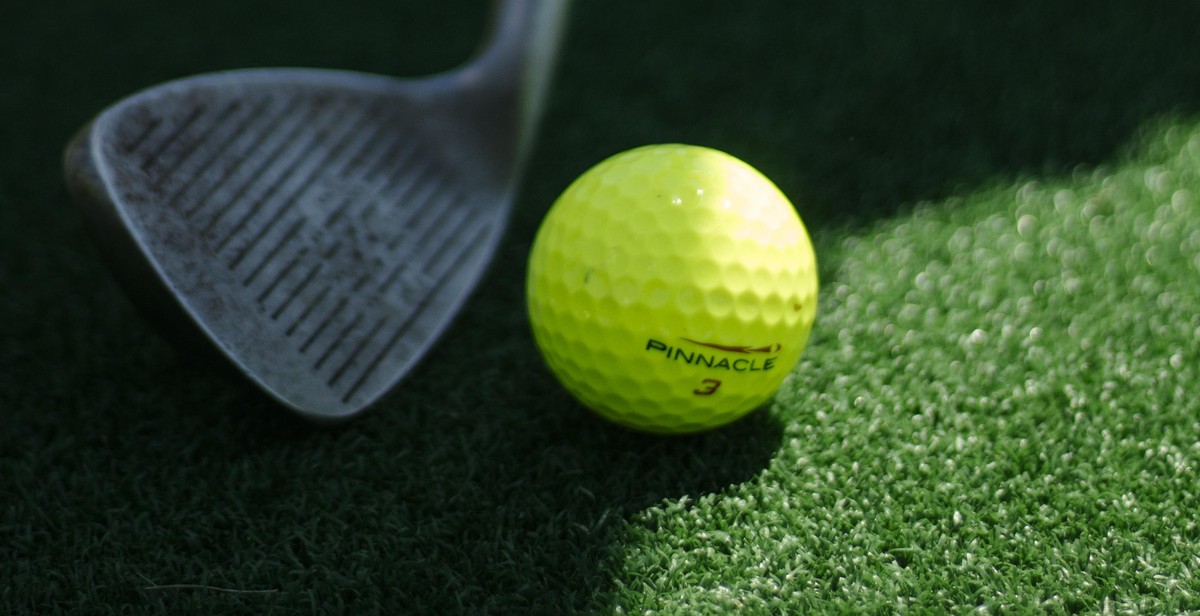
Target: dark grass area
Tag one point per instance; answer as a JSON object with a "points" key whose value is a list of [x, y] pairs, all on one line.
{"points": [[932, 452]]}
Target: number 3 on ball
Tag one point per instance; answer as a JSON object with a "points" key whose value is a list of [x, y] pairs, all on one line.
{"points": [[711, 386]]}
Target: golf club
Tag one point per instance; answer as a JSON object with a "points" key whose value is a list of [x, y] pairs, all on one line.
{"points": [[319, 228]]}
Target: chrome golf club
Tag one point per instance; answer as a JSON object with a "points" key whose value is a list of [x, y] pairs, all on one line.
{"points": [[319, 228]]}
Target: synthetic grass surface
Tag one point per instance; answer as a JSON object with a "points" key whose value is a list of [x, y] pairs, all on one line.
{"points": [[997, 410]]}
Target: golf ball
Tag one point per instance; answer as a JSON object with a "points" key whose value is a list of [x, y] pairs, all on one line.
{"points": [[672, 288]]}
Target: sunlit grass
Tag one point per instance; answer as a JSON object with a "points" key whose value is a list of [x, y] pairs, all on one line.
{"points": [[997, 410]]}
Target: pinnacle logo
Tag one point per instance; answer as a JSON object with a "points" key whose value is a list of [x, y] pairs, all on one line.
{"points": [[751, 360]]}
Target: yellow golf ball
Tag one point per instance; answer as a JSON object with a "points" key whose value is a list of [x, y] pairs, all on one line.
{"points": [[672, 288]]}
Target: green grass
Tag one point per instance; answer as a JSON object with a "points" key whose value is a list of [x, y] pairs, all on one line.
{"points": [[998, 409]]}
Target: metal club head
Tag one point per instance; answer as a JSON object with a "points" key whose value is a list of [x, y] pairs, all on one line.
{"points": [[319, 228]]}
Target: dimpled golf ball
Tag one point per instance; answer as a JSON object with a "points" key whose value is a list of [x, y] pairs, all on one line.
{"points": [[672, 288]]}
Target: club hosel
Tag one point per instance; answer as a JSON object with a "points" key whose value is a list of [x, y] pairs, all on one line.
{"points": [[520, 53]]}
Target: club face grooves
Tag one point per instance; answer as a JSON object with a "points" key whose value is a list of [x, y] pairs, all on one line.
{"points": [[316, 235]]}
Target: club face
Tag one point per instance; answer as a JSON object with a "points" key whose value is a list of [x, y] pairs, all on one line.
{"points": [[320, 229]]}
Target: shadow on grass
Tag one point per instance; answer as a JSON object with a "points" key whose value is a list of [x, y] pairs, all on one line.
{"points": [[478, 485], [857, 109], [541, 489]]}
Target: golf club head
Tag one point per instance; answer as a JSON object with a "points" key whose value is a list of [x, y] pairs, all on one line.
{"points": [[319, 229]]}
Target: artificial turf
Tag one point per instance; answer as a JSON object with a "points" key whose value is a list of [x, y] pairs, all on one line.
{"points": [[998, 410]]}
